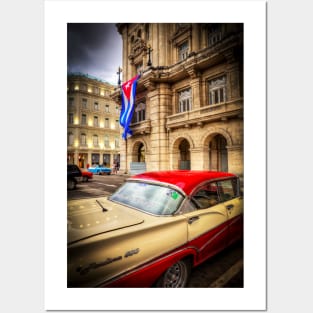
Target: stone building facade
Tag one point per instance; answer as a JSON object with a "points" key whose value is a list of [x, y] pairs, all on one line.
{"points": [[189, 103], [93, 134]]}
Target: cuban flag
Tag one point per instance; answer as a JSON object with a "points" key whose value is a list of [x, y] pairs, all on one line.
{"points": [[128, 104]]}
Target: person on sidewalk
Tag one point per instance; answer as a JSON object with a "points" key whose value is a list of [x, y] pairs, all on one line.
{"points": [[114, 167]]}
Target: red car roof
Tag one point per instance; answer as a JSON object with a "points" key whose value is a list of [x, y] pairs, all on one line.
{"points": [[186, 180]]}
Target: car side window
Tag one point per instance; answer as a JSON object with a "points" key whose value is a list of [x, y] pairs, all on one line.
{"points": [[206, 196], [227, 189], [188, 206]]}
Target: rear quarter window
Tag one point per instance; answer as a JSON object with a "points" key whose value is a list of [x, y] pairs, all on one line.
{"points": [[227, 189]]}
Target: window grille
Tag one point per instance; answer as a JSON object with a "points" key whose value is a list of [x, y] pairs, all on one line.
{"points": [[184, 100], [217, 90], [183, 51]]}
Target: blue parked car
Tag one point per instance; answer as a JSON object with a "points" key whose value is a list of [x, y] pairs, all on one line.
{"points": [[99, 170]]}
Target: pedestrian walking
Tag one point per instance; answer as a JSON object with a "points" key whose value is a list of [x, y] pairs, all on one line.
{"points": [[114, 171]]}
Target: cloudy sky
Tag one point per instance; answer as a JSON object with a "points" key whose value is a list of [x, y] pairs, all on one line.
{"points": [[94, 49]]}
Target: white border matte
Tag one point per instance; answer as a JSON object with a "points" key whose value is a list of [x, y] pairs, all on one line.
{"points": [[253, 15]]}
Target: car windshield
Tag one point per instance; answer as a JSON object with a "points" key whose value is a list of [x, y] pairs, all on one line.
{"points": [[150, 198]]}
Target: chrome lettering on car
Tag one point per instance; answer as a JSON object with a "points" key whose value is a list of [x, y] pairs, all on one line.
{"points": [[131, 252], [85, 269]]}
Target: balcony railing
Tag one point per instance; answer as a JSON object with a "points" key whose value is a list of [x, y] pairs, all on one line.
{"points": [[143, 127], [205, 114]]}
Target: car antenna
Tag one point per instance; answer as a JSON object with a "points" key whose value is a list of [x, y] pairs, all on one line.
{"points": [[103, 208]]}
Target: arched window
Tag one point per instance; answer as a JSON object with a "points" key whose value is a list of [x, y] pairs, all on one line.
{"points": [[184, 100], [183, 51], [95, 140], [71, 118], [106, 141], [106, 123], [95, 121], [214, 34], [84, 119], [70, 139], [117, 142], [140, 112], [83, 139], [217, 90]]}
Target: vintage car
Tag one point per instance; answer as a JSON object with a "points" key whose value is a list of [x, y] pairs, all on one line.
{"points": [[99, 170], [153, 229], [74, 176], [87, 175]]}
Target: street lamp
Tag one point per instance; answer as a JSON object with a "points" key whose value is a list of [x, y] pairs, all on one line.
{"points": [[149, 52], [119, 71]]}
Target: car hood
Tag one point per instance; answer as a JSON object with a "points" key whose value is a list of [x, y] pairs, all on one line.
{"points": [[90, 217]]}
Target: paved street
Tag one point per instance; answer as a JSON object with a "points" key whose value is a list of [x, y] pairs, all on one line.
{"points": [[223, 270], [98, 186]]}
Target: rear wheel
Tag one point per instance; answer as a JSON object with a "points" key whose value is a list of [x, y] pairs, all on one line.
{"points": [[175, 276], [71, 184]]}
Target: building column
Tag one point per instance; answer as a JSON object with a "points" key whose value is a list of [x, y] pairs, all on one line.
{"points": [[235, 159], [174, 158], [195, 37], [233, 75], [234, 82], [162, 48], [160, 100], [76, 157], [89, 158], [204, 34], [196, 159], [195, 85], [124, 168]]}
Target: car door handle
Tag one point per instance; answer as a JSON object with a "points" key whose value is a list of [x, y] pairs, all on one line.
{"points": [[230, 206], [192, 219]]}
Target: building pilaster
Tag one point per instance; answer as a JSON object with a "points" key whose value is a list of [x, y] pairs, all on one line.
{"points": [[235, 159], [196, 156]]}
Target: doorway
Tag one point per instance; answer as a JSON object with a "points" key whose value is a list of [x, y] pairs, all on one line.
{"points": [[184, 152], [218, 156]]}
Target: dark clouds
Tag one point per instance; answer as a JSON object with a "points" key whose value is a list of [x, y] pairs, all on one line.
{"points": [[94, 49]]}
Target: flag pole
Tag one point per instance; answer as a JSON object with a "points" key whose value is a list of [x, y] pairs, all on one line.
{"points": [[126, 171]]}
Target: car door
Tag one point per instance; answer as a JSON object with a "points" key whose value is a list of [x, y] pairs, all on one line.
{"points": [[229, 196], [207, 225]]}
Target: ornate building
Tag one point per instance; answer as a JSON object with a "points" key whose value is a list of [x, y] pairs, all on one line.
{"points": [[93, 135], [189, 103]]}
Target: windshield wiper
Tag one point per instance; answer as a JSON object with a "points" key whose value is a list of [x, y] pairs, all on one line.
{"points": [[103, 208]]}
